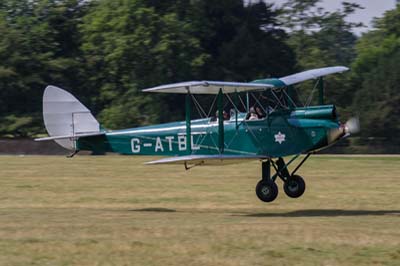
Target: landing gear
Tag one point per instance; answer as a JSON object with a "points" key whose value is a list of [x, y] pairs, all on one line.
{"points": [[266, 190], [293, 185]]}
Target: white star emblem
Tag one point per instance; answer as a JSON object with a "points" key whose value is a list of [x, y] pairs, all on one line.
{"points": [[280, 137]]}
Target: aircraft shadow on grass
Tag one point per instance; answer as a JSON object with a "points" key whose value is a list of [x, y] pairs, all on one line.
{"points": [[299, 213], [325, 213], [153, 210]]}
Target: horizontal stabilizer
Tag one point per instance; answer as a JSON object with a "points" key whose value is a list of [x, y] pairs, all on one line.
{"points": [[71, 137], [208, 159]]}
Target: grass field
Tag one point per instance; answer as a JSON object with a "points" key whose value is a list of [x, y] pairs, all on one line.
{"points": [[116, 211]]}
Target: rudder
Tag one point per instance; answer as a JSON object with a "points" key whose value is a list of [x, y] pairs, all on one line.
{"points": [[64, 115]]}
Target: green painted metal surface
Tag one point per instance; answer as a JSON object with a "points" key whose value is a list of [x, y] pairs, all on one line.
{"points": [[188, 122], [220, 121], [281, 133], [236, 103], [321, 91], [316, 112], [290, 96], [272, 81]]}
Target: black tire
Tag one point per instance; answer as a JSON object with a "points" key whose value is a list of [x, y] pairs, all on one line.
{"points": [[295, 186], [267, 190]]}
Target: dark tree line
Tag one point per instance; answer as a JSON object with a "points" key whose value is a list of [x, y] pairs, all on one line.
{"points": [[107, 51]]}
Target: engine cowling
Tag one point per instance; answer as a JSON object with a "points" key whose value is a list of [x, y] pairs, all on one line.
{"points": [[315, 112]]}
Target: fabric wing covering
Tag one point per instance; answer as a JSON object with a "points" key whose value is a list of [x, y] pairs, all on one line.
{"points": [[209, 87], [312, 74], [219, 159], [213, 87]]}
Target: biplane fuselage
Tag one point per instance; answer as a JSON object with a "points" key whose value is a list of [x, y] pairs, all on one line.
{"points": [[280, 133]]}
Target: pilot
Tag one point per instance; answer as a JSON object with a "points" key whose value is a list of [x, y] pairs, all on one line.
{"points": [[216, 117], [260, 113], [225, 115], [232, 112], [252, 114]]}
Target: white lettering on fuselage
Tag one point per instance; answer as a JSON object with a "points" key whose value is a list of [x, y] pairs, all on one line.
{"points": [[159, 145], [170, 139], [182, 143], [136, 144], [194, 147]]}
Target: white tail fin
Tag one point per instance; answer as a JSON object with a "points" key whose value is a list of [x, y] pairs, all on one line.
{"points": [[64, 115]]}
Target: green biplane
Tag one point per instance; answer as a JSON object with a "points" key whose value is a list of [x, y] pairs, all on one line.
{"points": [[280, 128]]}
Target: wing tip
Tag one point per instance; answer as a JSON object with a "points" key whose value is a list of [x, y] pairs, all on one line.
{"points": [[343, 68]]}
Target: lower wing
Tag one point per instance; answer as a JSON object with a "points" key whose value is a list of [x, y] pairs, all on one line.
{"points": [[196, 160]]}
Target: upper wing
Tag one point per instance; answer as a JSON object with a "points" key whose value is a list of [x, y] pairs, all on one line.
{"points": [[208, 159], [213, 87], [312, 74], [208, 87]]}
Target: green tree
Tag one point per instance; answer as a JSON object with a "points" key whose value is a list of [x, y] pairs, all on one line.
{"points": [[244, 42], [128, 46], [321, 38], [37, 48], [107, 51], [377, 72]]}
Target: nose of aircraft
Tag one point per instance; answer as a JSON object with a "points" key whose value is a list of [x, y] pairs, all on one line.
{"points": [[352, 126]]}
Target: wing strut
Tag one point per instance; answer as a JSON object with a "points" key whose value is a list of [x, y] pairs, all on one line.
{"points": [[321, 90], [188, 106], [236, 103], [220, 121]]}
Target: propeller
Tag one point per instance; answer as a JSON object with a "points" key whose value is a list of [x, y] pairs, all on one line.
{"points": [[352, 126]]}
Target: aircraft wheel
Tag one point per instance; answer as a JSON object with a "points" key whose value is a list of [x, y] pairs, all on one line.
{"points": [[295, 186], [267, 190]]}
